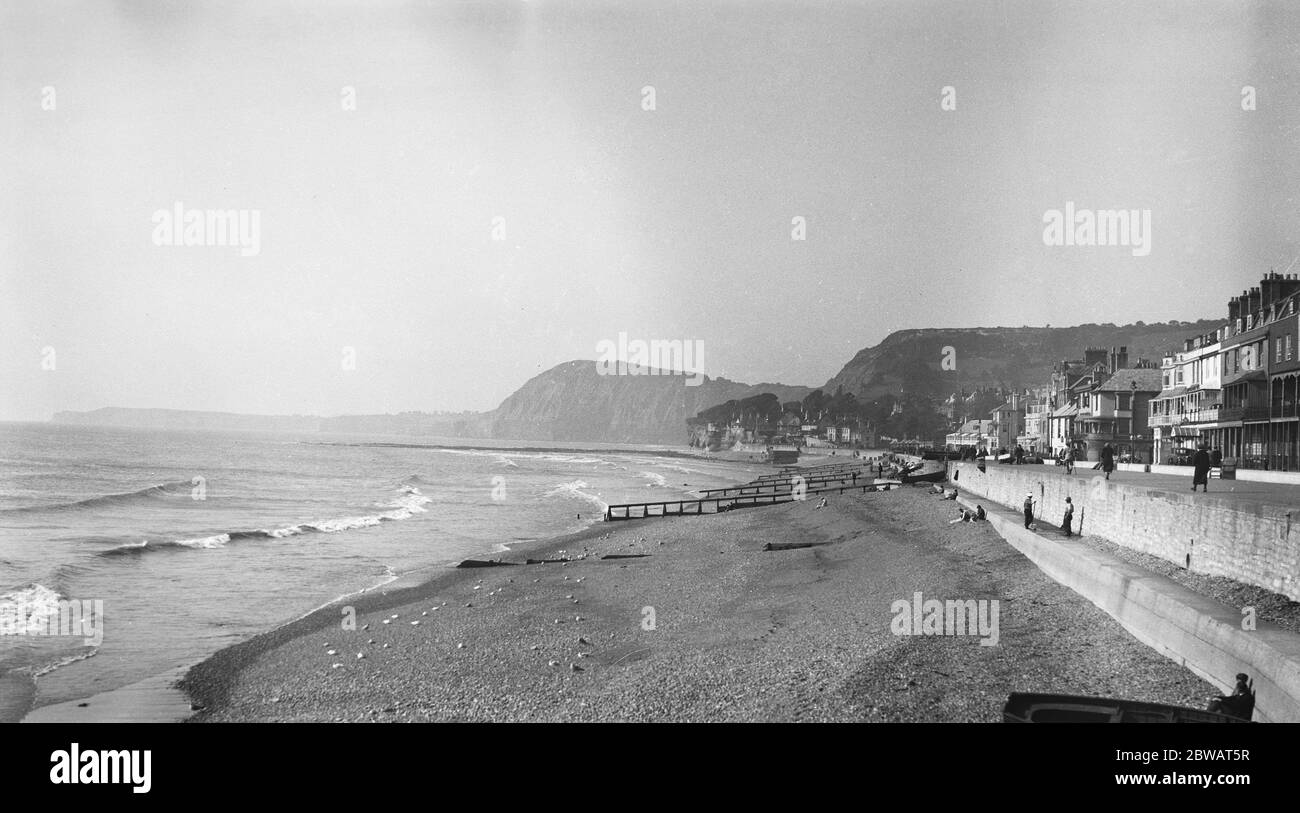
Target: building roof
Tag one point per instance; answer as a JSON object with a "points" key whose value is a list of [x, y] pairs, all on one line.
{"points": [[1165, 395], [1245, 375], [1147, 380]]}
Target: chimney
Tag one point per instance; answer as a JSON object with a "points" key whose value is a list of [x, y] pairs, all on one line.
{"points": [[1254, 301], [1234, 310], [1118, 358], [1094, 355]]}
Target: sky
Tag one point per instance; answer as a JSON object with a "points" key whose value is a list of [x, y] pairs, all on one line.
{"points": [[453, 197]]}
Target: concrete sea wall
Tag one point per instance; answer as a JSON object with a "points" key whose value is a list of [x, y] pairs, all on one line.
{"points": [[1251, 543], [1197, 632]]}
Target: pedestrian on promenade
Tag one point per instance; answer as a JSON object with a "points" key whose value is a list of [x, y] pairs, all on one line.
{"points": [[1201, 469], [1239, 704], [1068, 522], [1107, 459], [1069, 460], [1029, 511], [1216, 458]]}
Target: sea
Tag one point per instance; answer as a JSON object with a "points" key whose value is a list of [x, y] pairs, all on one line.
{"points": [[194, 541]]}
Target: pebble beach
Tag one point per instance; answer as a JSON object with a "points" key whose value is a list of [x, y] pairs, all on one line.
{"points": [[691, 619]]}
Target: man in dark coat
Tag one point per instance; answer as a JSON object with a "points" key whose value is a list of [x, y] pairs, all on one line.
{"points": [[1107, 459], [1201, 469]]}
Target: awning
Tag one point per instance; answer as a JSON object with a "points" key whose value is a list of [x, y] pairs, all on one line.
{"points": [[1067, 411], [1245, 376], [1165, 395]]}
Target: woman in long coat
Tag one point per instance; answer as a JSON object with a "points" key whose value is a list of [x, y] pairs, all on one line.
{"points": [[1107, 459], [1201, 469]]}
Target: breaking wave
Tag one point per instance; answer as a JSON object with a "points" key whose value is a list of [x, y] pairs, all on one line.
{"points": [[411, 502]]}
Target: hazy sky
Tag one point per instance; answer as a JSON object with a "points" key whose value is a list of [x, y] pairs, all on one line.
{"points": [[376, 224]]}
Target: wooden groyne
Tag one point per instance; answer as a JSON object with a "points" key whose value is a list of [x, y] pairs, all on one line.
{"points": [[714, 505]]}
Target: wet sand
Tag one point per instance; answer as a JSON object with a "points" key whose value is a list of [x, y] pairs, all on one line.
{"points": [[738, 633]]}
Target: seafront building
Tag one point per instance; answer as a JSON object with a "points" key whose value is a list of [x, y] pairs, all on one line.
{"points": [[1236, 387]]}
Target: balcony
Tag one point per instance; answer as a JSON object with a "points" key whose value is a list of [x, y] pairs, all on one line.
{"points": [[1243, 414]]}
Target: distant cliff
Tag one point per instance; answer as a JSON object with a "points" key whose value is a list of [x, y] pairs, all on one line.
{"points": [[912, 360], [569, 402], [573, 402]]}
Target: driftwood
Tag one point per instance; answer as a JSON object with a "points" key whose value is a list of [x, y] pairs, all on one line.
{"points": [[486, 563]]}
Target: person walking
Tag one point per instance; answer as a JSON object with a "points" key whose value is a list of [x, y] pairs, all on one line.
{"points": [[1201, 469], [1107, 459], [1067, 524], [1029, 511], [1069, 461]]}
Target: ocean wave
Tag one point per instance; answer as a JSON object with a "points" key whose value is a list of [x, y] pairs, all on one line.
{"points": [[162, 491], [574, 489], [411, 502], [36, 602]]}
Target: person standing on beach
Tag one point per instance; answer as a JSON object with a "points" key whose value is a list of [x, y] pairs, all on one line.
{"points": [[1068, 522], [1107, 459], [1029, 510], [1201, 469]]}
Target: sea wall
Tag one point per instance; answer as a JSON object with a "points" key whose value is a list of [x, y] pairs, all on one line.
{"points": [[1251, 543], [1197, 632]]}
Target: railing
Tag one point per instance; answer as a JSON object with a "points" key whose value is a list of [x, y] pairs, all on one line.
{"points": [[1254, 413]]}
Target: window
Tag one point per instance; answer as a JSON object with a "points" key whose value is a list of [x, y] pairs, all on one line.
{"points": [[1277, 349], [1288, 342]]}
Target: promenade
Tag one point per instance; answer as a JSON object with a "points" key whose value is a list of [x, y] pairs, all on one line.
{"points": [[1246, 492]]}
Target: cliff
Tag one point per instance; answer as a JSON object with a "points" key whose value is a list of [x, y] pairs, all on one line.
{"points": [[912, 361]]}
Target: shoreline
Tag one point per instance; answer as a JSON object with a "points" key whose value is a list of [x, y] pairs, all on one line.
{"points": [[208, 682], [745, 631]]}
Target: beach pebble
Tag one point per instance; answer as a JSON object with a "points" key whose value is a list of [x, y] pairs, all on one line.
{"points": [[577, 618], [365, 627], [385, 646], [415, 623], [360, 655], [569, 596], [575, 667], [388, 620], [460, 646], [557, 620], [331, 652], [478, 586], [336, 666], [583, 641], [584, 654], [534, 647], [469, 604], [371, 641], [553, 663], [444, 604], [394, 615], [423, 614]]}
